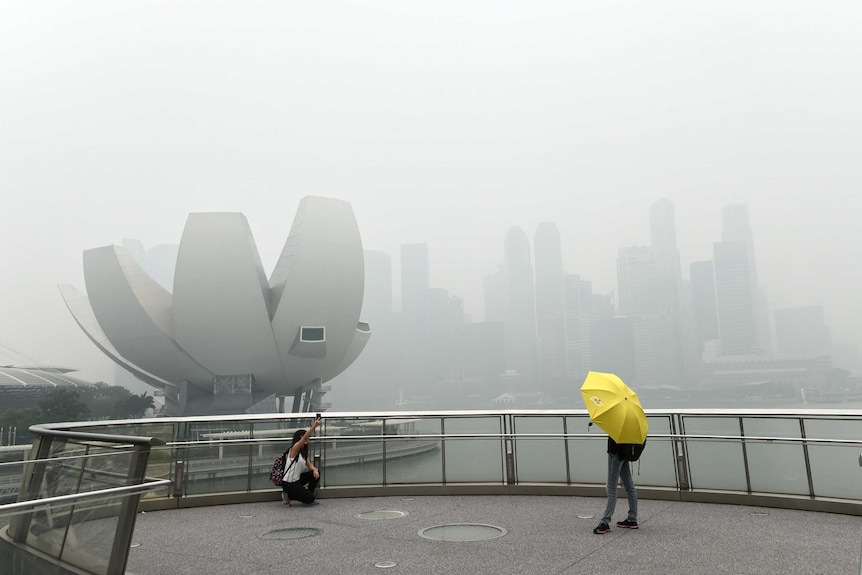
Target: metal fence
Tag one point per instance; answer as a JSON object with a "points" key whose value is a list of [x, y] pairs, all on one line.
{"points": [[800, 459]]}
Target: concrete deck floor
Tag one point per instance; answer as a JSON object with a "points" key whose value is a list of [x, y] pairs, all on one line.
{"points": [[547, 535]]}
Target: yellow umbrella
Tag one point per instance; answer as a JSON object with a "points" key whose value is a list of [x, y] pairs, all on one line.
{"points": [[614, 407]]}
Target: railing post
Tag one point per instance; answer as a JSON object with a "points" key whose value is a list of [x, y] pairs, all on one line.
{"points": [[679, 450], [179, 470], [128, 512], [509, 449], [30, 486]]}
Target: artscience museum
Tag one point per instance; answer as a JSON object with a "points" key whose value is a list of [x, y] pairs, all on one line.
{"points": [[226, 337]]}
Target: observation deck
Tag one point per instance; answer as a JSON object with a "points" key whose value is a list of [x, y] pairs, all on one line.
{"points": [[543, 535], [720, 491]]}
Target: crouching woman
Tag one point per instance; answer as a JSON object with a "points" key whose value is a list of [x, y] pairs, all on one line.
{"points": [[300, 476]]}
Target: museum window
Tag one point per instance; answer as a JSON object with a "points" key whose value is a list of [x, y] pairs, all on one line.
{"points": [[312, 333]]}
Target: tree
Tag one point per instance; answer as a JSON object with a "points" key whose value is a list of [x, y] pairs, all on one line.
{"points": [[114, 402], [63, 405], [134, 405]]}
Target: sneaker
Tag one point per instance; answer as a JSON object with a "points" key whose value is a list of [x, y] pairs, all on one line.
{"points": [[602, 529], [315, 502], [628, 524]]}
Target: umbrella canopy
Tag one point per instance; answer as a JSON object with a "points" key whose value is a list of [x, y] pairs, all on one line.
{"points": [[614, 407]]}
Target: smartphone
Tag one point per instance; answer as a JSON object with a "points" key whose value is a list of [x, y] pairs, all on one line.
{"points": [[318, 416]]}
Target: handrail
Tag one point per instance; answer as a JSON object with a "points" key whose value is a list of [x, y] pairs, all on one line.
{"points": [[54, 431], [112, 492], [405, 436], [34, 485]]}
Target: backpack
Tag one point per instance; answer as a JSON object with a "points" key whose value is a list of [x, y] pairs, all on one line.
{"points": [[630, 451], [278, 470], [277, 473]]}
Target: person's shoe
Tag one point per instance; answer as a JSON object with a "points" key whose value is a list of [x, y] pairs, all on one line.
{"points": [[602, 529], [315, 502], [628, 524]]}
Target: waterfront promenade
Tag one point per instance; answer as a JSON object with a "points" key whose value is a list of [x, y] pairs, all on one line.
{"points": [[543, 535]]}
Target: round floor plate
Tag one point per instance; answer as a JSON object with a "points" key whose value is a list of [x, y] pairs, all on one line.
{"points": [[292, 533], [383, 514], [462, 532]]}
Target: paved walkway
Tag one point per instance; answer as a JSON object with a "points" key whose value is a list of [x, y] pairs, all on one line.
{"points": [[544, 535]]}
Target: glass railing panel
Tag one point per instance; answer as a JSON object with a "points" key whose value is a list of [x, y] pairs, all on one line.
{"points": [[348, 458], [775, 467], [216, 468], [587, 455], [539, 460], [413, 460], [159, 464], [833, 465], [60, 475], [657, 464], [90, 535], [714, 464], [47, 528], [474, 460]]}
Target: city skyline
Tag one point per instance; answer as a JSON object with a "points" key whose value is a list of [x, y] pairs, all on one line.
{"points": [[444, 124]]}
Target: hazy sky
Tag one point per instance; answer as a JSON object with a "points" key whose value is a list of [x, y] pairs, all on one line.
{"points": [[442, 122]]}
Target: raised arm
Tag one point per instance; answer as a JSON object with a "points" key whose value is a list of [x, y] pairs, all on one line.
{"points": [[294, 449]]}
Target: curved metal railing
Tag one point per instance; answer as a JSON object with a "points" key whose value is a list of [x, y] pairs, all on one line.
{"points": [[798, 459]]}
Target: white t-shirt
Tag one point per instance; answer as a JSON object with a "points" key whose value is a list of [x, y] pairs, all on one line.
{"points": [[292, 472]]}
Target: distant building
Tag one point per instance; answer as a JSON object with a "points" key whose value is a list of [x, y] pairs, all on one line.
{"points": [[703, 304], [651, 304], [613, 349], [550, 304], [787, 373], [415, 280], [803, 330], [745, 322], [580, 326], [25, 386], [520, 320], [735, 289], [225, 337]]}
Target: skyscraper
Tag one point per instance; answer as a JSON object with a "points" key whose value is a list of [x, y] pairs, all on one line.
{"points": [[735, 290], [580, 326], [415, 279], [737, 228], [703, 303], [550, 304], [520, 321], [803, 330], [668, 287], [377, 300], [649, 305]]}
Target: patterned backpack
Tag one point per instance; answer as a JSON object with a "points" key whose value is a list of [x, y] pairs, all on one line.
{"points": [[277, 473]]}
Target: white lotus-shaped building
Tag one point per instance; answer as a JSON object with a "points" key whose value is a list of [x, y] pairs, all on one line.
{"points": [[226, 337]]}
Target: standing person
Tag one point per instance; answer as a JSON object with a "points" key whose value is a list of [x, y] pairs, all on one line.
{"points": [[619, 468], [300, 476]]}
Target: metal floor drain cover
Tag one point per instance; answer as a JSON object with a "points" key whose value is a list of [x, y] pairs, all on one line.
{"points": [[381, 514], [462, 532], [292, 533]]}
